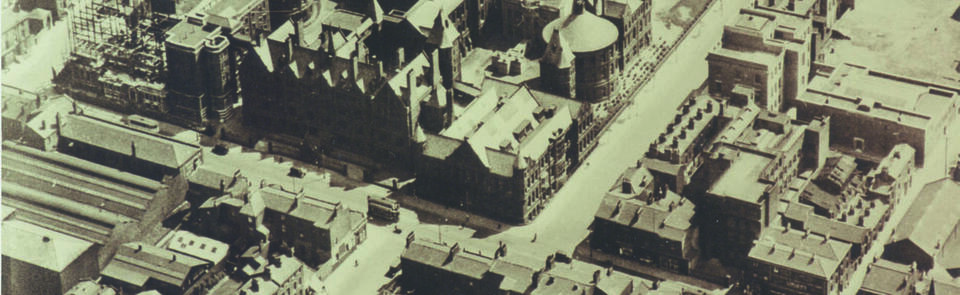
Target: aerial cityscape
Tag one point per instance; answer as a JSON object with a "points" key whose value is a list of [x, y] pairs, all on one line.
{"points": [[629, 147]]}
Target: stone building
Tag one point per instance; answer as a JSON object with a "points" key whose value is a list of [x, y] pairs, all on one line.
{"points": [[639, 222], [893, 176], [94, 203], [785, 261], [748, 65], [201, 71], [465, 269], [822, 14], [526, 19], [930, 225], [632, 18], [317, 80], [139, 267], [592, 40], [890, 278], [37, 260], [871, 111], [677, 153], [20, 29], [31, 118], [504, 157]]}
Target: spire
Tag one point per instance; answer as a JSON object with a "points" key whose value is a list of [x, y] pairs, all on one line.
{"points": [[443, 33], [558, 51]]}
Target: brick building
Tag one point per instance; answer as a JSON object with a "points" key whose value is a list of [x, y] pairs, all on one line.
{"points": [[893, 176], [464, 269], [632, 18], [748, 66], [37, 260], [822, 13], [201, 71], [593, 42], [89, 201], [20, 29], [139, 267], [890, 278], [749, 169], [871, 111], [525, 20], [930, 226], [785, 261], [637, 223], [677, 153], [31, 118], [504, 157]]}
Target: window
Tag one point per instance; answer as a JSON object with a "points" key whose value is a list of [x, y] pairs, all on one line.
{"points": [[858, 144]]}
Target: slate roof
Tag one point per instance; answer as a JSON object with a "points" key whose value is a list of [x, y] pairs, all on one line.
{"points": [[656, 218], [808, 253], [932, 217], [136, 263], [118, 139]]}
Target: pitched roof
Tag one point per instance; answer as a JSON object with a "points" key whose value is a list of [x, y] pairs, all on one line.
{"points": [[932, 217], [41, 247], [807, 253], [136, 263], [128, 142], [669, 218], [886, 277], [201, 247], [442, 257]]}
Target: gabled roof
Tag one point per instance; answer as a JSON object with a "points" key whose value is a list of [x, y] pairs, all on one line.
{"points": [[128, 142], [811, 254], [558, 52], [886, 277], [136, 263], [201, 247], [932, 217], [442, 257], [668, 218]]}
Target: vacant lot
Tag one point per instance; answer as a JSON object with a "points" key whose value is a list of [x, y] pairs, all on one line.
{"points": [[916, 38]]}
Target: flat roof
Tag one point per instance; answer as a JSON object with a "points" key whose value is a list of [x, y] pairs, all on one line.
{"points": [[741, 180]]}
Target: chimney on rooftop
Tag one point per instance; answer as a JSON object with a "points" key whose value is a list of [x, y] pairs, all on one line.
{"points": [[133, 149], [173, 258], [139, 248], [791, 5], [400, 58]]}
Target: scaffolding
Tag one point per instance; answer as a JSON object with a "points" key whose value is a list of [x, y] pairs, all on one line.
{"points": [[119, 33]]}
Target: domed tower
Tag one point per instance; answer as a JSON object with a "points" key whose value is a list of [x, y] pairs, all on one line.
{"points": [[557, 70], [592, 40]]}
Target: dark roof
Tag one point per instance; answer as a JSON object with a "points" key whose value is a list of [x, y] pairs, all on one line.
{"points": [[657, 218], [441, 257], [932, 217], [135, 263], [886, 277], [128, 142]]}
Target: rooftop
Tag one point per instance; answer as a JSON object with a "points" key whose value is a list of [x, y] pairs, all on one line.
{"points": [[584, 31], [669, 217], [686, 127], [855, 88], [41, 247], [887, 277], [190, 35], [129, 142], [932, 218], [804, 252], [741, 180], [201, 247], [136, 263]]}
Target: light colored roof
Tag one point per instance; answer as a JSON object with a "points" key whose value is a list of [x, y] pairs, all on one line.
{"points": [[122, 140], [584, 32], [808, 253], [135, 263], [741, 180], [438, 256], [41, 247], [886, 277], [200, 247], [932, 218], [657, 218]]}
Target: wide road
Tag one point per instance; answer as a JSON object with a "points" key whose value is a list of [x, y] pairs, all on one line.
{"points": [[563, 223]]}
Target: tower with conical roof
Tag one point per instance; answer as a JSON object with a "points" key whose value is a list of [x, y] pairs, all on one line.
{"points": [[446, 39], [557, 68], [592, 41]]}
